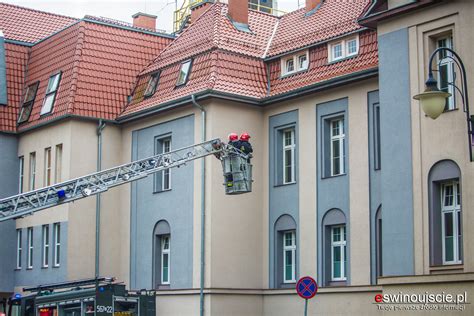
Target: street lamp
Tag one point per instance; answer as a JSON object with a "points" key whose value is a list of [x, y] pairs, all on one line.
{"points": [[433, 100]]}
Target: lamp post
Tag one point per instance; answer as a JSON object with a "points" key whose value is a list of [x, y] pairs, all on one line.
{"points": [[433, 100]]}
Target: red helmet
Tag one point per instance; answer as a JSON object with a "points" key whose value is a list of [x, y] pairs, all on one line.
{"points": [[233, 137], [244, 136]]}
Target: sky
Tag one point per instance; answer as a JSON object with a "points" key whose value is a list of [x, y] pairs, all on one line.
{"points": [[123, 9]]}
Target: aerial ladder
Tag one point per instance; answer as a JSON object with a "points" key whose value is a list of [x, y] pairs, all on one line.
{"points": [[236, 168]]}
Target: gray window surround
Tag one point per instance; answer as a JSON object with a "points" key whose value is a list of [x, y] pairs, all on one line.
{"points": [[285, 223], [326, 144], [442, 171], [278, 134], [158, 176], [162, 228], [333, 217]]}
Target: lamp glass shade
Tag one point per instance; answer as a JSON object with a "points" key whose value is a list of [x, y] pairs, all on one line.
{"points": [[432, 102]]}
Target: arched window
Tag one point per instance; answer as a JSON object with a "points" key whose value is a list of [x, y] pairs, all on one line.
{"points": [[378, 241], [161, 254], [285, 252], [335, 254], [445, 216]]}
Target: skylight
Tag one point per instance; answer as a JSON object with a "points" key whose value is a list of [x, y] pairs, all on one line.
{"points": [[184, 73], [152, 84], [53, 85]]}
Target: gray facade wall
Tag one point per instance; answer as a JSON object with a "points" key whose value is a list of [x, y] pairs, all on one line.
{"points": [[148, 208], [3, 73], [284, 199], [396, 153], [332, 192], [374, 179], [39, 275], [9, 169]]}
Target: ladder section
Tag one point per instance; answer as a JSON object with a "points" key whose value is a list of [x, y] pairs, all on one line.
{"points": [[27, 203]]}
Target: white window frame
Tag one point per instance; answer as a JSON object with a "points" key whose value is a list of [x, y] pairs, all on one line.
{"points": [[57, 244], [449, 62], [163, 253], [29, 257], [45, 246], [19, 248], [51, 91], [296, 65], [342, 244], [455, 210], [21, 176], [58, 163], [337, 138], [291, 147], [344, 48], [32, 171], [166, 184], [184, 72], [47, 166], [292, 249]]}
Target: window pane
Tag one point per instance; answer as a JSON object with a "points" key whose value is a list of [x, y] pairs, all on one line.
{"points": [[302, 61], [352, 47], [459, 223], [288, 265], [53, 83], [336, 234], [48, 104], [448, 195], [184, 72], [458, 195], [337, 262], [25, 112], [30, 93], [449, 238], [337, 51]]}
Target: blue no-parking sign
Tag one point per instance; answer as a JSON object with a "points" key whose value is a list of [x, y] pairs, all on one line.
{"points": [[306, 288]]}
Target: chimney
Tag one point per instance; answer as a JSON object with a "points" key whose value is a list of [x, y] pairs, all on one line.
{"points": [[198, 9], [311, 4], [146, 21], [238, 11]]}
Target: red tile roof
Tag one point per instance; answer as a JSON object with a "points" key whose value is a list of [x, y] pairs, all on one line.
{"points": [[28, 25], [99, 64], [16, 58], [299, 29], [233, 61]]}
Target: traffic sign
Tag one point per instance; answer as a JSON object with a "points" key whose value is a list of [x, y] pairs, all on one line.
{"points": [[306, 287]]}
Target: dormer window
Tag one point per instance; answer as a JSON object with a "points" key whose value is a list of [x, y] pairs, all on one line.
{"points": [[28, 100], [152, 84], [184, 73], [343, 48], [294, 63], [51, 90]]}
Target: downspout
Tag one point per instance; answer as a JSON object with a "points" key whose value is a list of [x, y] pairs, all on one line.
{"points": [[100, 127], [203, 205]]}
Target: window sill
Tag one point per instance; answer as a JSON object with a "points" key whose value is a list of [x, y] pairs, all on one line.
{"points": [[163, 287], [57, 266], [44, 267], [289, 74], [17, 269], [162, 191], [342, 59], [284, 184], [336, 176], [337, 283], [289, 285], [29, 268]]}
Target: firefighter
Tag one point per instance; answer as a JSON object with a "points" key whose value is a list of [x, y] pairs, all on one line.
{"points": [[245, 145], [233, 141]]}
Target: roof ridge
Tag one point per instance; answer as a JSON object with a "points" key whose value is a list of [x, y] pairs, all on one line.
{"points": [[75, 66], [36, 10]]}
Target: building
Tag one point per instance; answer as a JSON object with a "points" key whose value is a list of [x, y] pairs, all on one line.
{"points": [[349, 174]]}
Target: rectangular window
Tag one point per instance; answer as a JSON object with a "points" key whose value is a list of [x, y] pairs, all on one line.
{"points": [[294, 63], [32, 170], [337, 154], [184, 73], [45, 248], [50, 97], [288, 156], [289, 257], [28, 101], [344, 48], [22, 174], [47, 166], [29, 238], [338, 253], [451, 223], [165, 259], [57, 244], [18, 248], [152, 84], [166, 178], [58, 163], [446, 71], [377, 143]]}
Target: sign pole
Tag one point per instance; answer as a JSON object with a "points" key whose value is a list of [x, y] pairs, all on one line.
{"points": [[306, 307]]}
